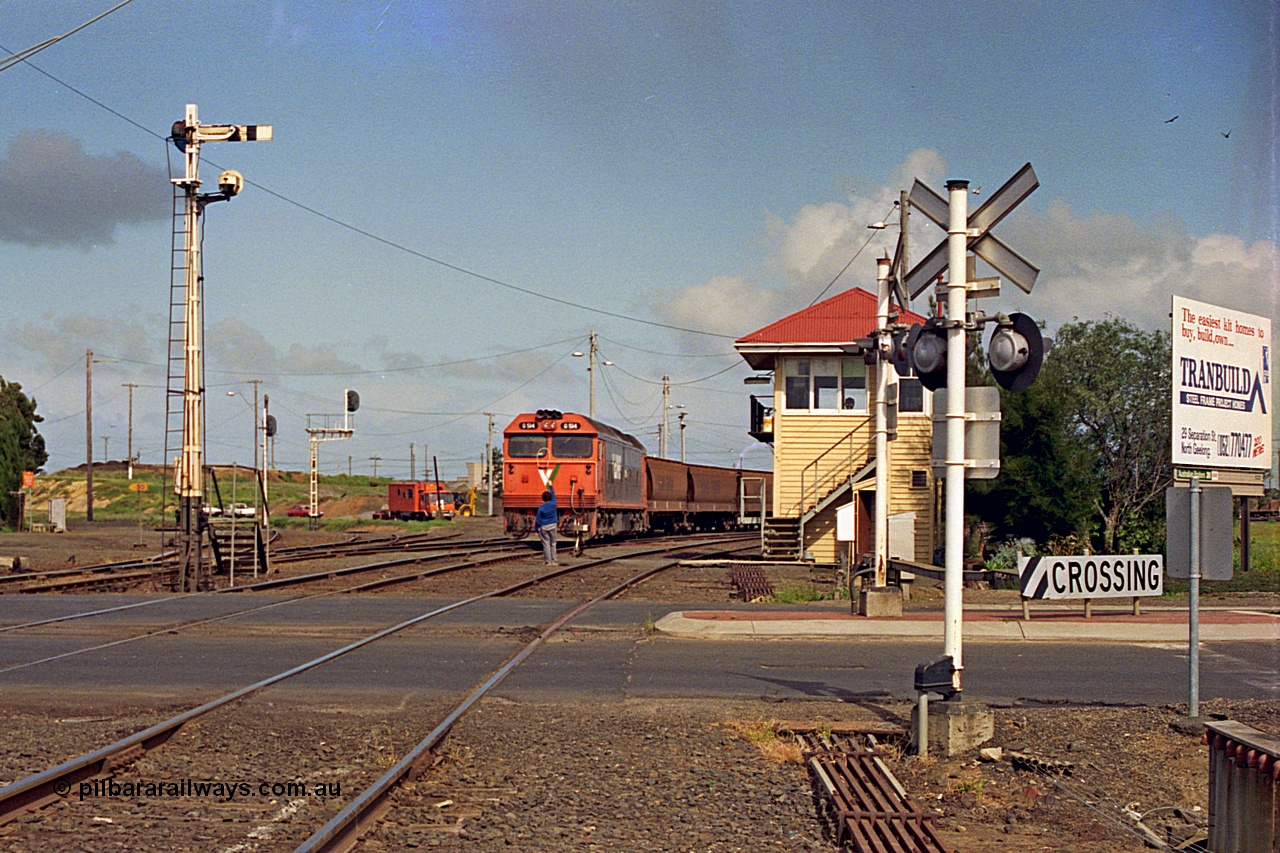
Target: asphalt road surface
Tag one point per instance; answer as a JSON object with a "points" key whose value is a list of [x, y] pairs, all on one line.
{"points": [[609, 652]]}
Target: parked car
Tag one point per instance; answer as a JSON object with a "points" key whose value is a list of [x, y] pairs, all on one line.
{"points": [[243, 511], [211, 510], [301, 511]]}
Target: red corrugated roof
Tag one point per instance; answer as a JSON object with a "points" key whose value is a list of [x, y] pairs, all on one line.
{"points": [[840, 319]]}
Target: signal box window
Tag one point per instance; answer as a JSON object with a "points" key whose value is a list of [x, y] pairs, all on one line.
{"points": [[797, 383], [571, 446], [853, 388], [826, 385], [527, 446]]}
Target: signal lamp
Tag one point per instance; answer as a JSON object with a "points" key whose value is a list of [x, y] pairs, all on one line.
{"points": [[926, 347], [1015, 352], [353, 401]]}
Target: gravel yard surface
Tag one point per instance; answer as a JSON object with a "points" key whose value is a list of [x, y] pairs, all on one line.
{"points": [[623, 775]]}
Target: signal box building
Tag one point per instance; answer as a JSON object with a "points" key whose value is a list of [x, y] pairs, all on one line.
{"points": [[820, 422]]}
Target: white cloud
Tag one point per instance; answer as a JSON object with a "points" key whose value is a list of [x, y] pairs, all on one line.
{"points": [[1108, 263]]}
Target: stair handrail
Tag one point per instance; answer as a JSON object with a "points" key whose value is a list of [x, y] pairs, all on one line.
{"points": [[830, 478]]}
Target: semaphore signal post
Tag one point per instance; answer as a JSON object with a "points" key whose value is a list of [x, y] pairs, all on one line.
{"points": [[188, 135]]}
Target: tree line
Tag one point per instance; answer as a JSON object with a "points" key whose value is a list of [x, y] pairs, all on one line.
{"points": [[1085, 450], [21, 445]]}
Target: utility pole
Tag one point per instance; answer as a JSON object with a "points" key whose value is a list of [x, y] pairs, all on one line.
{"points": [[375, 460], [591, 380], [88, 434], [255, 383], [488, 455], [106, 455], [664, 427], [413, 464], [680, 417], [130, 386], [348, 464]]}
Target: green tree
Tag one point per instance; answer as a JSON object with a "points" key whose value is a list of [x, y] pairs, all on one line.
{"points": [[21, 445], [1114, 380]]}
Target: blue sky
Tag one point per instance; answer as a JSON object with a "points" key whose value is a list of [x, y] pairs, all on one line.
{"points": [[709, 168]]}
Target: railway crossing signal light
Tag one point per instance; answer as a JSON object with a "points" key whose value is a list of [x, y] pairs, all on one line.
{"points": [[1016, 352], [925, 349]]}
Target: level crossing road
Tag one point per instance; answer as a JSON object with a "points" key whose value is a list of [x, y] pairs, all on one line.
{"points": [[611, 652]]}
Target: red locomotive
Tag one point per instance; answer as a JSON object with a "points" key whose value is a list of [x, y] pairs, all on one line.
{"points": [[605, 483]]}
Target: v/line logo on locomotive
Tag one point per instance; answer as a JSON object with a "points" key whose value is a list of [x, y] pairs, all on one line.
{"points": [[607, 484]]}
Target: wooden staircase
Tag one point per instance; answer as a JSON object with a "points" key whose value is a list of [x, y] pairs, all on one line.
{"points": [[782, 538]]}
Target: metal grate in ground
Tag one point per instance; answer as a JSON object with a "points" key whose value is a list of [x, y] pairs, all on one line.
{"points": [[751, 582]]}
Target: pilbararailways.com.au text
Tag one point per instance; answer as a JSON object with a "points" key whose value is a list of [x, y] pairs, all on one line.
{"points": [[225, 791]]}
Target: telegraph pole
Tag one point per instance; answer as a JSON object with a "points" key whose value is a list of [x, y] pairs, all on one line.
{"points": [[88, 434], [375, 460], [488, 456], [255, 383], [591, 379], [663, 427], [130, 386], [413, 464]]}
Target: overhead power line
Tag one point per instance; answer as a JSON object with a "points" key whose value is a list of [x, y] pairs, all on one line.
{"points": [[23, 55], [458, 268]]}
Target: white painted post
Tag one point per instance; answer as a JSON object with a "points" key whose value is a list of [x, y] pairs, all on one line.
{"points": [[882, 425], [957, 305]]}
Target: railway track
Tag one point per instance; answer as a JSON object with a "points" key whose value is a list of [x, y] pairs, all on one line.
{"points": [[52, 784], [158, 572]]}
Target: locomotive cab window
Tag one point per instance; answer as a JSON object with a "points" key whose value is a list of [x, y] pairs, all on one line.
{"points": [[571, 447], [526, 446]]}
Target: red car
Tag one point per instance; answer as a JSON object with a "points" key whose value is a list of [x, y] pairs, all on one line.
{"points": [[301, 511]]}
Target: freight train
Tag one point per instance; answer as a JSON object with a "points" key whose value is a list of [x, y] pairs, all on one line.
{"points": [[607, 485]]}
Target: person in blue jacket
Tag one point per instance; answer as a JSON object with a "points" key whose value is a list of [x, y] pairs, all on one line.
{"points": [[547, 520]]}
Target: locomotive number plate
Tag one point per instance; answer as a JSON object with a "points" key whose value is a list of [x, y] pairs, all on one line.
{"points": [[569, 425], [528, 425]]}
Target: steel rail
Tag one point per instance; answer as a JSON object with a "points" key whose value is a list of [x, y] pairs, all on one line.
{"points": [[247, 587], [42, 788], [344, 829], [174, 628], [132, 575], [96, 568]]}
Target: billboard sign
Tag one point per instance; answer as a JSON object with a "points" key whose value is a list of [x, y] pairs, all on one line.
{"points": [[1222, 391]]}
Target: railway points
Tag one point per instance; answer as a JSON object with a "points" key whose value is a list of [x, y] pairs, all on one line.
{"points": [[51, 785]]}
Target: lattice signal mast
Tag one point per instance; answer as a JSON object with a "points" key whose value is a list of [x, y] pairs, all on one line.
{"points": [[327, 430], [188, 135]]}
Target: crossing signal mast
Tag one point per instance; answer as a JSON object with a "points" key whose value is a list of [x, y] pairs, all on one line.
{"points": [[936, 352], [188, 135]]}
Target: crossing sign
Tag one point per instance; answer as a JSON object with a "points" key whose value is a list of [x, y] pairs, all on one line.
{"points": [[981, 241]]}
